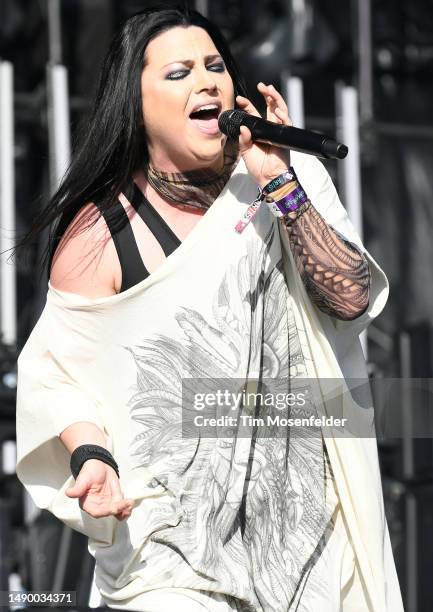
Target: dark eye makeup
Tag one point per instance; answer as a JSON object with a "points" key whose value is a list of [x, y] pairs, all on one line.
{"points": [[176, 75]]}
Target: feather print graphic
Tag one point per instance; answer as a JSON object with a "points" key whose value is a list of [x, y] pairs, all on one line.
{"points": [[253, 513]]}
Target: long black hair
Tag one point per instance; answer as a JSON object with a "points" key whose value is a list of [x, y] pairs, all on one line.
{"points": [[111, 143]]}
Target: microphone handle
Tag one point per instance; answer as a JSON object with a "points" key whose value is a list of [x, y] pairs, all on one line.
{"points": [[289, 137]]}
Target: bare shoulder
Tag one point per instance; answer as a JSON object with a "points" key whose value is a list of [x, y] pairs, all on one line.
{"points": [[85, 261]]}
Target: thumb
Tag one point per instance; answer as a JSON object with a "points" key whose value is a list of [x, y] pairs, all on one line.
{"points": [[245, 139], [78, 490]]}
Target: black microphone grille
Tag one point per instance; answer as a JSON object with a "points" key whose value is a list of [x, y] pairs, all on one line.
{"points": [[230, 121]]}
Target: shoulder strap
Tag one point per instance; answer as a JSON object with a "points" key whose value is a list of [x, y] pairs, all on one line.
{"points": [[160, 229], [131, 263]]}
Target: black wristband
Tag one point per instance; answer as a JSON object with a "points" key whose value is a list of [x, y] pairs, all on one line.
{"points": [[91, 451], [279, 181]]}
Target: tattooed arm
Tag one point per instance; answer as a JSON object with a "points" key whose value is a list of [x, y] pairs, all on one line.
{"points": [[334, 271]]}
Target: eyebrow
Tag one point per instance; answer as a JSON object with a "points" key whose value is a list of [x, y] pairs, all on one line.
{"points": [[189, 62]]}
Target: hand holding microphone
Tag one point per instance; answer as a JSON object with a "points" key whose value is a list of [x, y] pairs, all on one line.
{"points": [[264, 161], [265, 143]]}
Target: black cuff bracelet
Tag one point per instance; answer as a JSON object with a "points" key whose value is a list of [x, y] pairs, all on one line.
{"points": [[91, 451]]}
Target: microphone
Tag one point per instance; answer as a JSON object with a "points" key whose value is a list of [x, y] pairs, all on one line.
{"points": [[285, 136]]}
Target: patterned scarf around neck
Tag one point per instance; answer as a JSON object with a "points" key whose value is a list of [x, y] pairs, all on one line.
{"points": [[196, 188]]}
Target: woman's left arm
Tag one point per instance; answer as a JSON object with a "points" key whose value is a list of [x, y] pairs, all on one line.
{"points": [[334, 271]]}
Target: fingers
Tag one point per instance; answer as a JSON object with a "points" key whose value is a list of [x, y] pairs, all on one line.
{"points": [[124, 509], [247, 106], [245, 139], [121, 508], [277, 110], [270, 92], [123, 514], [116, 493], [102, 500]]}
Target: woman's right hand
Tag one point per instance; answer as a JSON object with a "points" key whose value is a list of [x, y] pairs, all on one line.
{"points": [[98, 489]]}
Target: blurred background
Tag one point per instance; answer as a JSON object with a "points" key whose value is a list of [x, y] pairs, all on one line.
{"points": [[360, 70]]}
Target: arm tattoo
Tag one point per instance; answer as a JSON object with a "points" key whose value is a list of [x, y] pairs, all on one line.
{"points": [[335, 272]]}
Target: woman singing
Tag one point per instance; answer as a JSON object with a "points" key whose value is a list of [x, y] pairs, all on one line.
{"points": [[181, 259]]}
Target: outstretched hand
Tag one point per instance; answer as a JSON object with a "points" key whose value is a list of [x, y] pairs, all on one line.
{"points": [[264, 162], [98, 489]]}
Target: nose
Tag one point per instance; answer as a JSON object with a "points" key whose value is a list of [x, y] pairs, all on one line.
{"points": [[205, 80]]}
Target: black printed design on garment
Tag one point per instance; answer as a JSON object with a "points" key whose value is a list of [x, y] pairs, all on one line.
{"points": [[253, 514]]}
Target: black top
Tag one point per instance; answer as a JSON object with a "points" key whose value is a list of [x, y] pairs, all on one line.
{"points": [[133, 268]]}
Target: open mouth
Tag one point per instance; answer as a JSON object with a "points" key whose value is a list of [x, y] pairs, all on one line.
{"points": [[206, 119], [205, 114]]}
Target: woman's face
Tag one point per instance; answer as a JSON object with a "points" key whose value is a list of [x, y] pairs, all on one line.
{"points": [[183, 70]]}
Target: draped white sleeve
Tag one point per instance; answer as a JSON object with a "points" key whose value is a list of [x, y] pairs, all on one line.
{"points": [[49, 399]]}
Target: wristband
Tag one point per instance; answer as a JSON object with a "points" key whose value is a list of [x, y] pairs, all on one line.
{"points": [[283, 179], [91, 451], [289, 219], [282, 191], [288, 203], [249, 213], [279, 181]]}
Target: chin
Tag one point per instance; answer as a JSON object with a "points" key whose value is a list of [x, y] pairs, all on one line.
{"points": [[210, 153], [204, 145]]}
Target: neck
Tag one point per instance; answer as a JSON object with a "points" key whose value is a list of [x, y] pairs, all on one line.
{"points": [[169, 166], [197, 187]]}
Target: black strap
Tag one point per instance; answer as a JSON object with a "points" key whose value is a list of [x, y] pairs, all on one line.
{"points": [[131, 263], [162, 232]]}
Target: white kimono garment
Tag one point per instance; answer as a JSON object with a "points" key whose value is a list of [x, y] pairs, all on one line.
{"points": [[217, 307]]}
